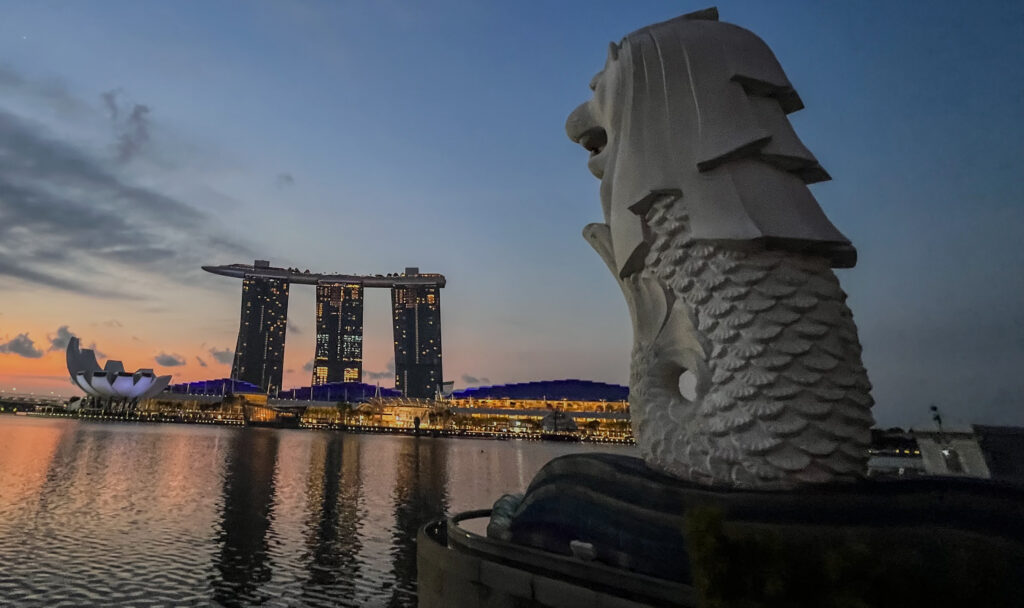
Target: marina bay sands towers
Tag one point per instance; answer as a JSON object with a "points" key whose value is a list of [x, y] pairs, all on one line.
{"points": [[259, 351], [338, 354], [339, 333], [416, 314]]}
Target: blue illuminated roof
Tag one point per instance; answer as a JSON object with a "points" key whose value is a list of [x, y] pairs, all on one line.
{"points": [[221, 386], [552, 390]]}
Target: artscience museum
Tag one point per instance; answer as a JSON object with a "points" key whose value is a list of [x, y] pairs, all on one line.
{"points": [[111, 387]]}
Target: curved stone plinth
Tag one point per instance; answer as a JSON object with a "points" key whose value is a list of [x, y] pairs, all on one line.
{"points": [[935, 542], [460, 569]]}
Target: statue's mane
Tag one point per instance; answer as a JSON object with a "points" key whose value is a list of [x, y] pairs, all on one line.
{"points": [[702, 113]]}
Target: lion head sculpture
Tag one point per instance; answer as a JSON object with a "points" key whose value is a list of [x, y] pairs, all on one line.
{"points": [[699, 107]]}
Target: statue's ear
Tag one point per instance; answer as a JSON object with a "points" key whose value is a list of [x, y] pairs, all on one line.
{"points": [[613, 52], [707, 14]]}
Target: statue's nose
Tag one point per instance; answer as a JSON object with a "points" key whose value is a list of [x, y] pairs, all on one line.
{"points": [[579, 122]]}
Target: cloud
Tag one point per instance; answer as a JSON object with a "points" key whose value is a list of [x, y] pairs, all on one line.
{"points": [[110, 103], [52, 94], [22, 346], [169, 360], [96, 351], [12, 267], [308, 366], [294, 328], [223, 355], [388, 373], [200, 361], [68, 212], [60, 341], [133, 131], [284, 180], [474, 380]]}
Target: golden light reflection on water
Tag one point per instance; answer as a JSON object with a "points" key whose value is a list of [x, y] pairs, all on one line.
{"points": [[24, 460], [152, 515]]}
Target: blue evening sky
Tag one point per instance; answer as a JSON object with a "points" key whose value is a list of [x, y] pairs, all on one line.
{"points": [[368, 136]]}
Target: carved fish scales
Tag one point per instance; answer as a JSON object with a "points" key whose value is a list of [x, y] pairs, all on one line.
{"points": [[791, 374]]}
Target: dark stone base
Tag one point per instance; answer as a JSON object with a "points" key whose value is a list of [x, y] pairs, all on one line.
{"points": [[459, 569], [924, 541]]}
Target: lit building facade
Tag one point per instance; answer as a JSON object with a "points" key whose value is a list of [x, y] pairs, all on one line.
{"points": [[416, 314], [567, 395], [339, 333], [259, 352]]}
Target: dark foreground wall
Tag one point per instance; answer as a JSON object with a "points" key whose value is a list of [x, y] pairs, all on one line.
{"points": [[459, 569], [656, 541]]}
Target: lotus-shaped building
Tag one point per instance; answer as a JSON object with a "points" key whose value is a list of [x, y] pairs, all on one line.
{"points": [[111, 383]]}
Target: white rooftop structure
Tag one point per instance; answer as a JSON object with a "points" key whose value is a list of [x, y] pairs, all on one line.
{"points": [[111, 381]]}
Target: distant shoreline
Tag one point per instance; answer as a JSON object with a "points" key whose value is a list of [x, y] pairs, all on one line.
{"points": [[347, 428]]}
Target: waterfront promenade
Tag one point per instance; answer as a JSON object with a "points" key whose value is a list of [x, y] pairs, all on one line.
{"points": [[485, 431]]}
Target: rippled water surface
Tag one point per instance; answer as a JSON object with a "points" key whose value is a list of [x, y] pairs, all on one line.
{"points": [[159, 515]]}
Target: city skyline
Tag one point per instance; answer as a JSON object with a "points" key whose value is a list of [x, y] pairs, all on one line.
{"points": [[262, 329], [141, 142]]}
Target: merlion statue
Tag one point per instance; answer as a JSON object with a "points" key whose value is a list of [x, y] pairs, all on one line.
{"points": [[725, 260]]}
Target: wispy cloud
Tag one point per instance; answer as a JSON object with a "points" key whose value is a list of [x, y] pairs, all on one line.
{"points": [[96, 350], [307, 366], [60, 341], [111, 104], [52, 94], [67, 212], [387, 374], [22, 346], [474, 380], [222, 355], [200, 361], [169, 360], [131, 126], [284, 180]]}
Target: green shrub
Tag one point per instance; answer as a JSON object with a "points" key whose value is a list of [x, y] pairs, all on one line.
{"points": [[744, 565]]}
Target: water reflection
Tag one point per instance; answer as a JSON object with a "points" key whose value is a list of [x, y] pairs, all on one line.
{"points": [[25, 464], [243, 561], [334, 518], [421, 494], [172, 515]]}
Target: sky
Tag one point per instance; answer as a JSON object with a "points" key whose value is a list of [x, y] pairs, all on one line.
{"points": [[140, 140]]}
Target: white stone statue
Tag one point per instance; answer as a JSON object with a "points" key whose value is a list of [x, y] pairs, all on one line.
{"points": [[725, 260]]}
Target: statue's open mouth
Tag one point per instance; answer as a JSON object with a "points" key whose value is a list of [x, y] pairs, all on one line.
{"points": [[594, 140], [582, 128]]}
